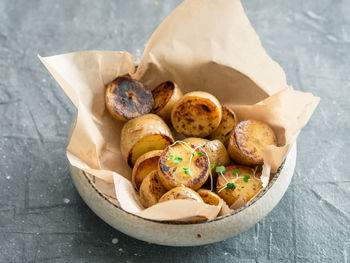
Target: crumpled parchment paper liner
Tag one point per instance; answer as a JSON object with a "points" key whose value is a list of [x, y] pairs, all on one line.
{"points": [[206, 45]]}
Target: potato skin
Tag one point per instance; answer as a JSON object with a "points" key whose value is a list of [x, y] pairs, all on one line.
{"points": [[139, 128], [181, 192], [227, 125], [196, 141], [248, 189], [173, 174], [128, 98], [151, 190], [196, 114], [209, 197], [145, 164], [217, 153], [249, 140], [165, 96]]}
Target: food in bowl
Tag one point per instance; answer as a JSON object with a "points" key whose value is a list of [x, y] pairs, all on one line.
{"points": [[219, 160]]}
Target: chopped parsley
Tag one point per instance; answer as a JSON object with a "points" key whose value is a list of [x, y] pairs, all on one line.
{"points": [[236, 172], [187, 171], [220, 169], [177, 159], [230, 186]]}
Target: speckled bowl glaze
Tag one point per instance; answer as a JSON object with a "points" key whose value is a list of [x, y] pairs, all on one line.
{"points": [[190, 234]]}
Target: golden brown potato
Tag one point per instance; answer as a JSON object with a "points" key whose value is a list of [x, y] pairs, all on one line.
{"points": [[145, 164], [217, 153], [228, 123], [181, 192], [238, 181], [195, 141], [151, 190], [128, 98], [196, 114], [165, 97], [144, 134], [249, 140], [182, 164], [209, 197]]}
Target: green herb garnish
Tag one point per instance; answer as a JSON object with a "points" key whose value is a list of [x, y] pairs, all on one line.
{"points": [[230, 186], [187, 171], [177, 159], [199, 153], [236, 172], [254, 170], [220, 169], [212, 165], [246, 178], [170, 157]]}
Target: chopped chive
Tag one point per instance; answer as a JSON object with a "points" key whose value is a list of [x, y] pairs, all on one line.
{"points": [[246, 178]]}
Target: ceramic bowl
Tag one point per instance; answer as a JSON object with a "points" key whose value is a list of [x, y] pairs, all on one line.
{"points": [[185, 234]]}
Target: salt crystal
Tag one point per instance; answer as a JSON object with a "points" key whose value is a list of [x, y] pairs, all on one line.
{"points": [[66, 200], [115, 240]]}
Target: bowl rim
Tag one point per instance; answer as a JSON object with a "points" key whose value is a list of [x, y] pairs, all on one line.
{"points": [[261, 194]]}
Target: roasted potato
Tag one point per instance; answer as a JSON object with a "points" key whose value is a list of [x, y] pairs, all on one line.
{"points": [[195, 141], [165, 97], [238, 181], [151, 190], [128, 98], [183, 164], [227, 125], [196, 114], [217, 153], [249, 140], [145, 164], [181, 192], [209, 197], [144, 134]]}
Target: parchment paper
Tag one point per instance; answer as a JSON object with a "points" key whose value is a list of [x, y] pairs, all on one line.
{"points": [[203, 45]]}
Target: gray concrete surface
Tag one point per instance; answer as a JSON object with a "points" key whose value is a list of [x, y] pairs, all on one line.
{"points": [[43, 219]]}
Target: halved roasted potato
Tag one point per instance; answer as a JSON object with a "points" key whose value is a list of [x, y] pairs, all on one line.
{"points": [[181, 192], [144, 134], [196, 141], [238, 181], [249, 140], [196, 114], [128, 98], [183, 164], [151, 189], [145, 164], [217, 153], [209, 197], [227, 125], [165, 97]]}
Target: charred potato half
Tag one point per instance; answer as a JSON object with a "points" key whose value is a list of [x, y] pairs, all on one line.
{"points": [[151, 190], [249, 140], [165, 97], [183, 164], [196, 141], [144, 134], [181, 192], [145, 164], [128, 98], [227, 125], [238, 181], [196, 114], [217, 153], [209, 197]]}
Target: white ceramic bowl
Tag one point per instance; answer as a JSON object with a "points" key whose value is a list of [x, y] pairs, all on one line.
{"points": [[190, 234]]}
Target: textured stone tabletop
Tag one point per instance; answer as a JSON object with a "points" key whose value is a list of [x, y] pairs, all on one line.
{"points": [[42, 217]]}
